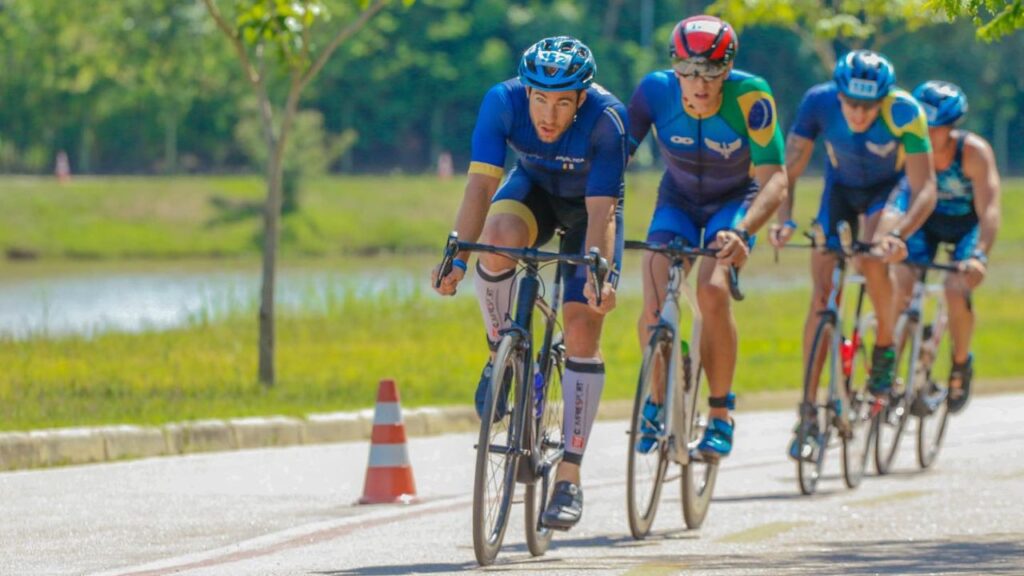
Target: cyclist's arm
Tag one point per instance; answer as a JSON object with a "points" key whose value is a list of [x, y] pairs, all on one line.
{"points": [[640, 118], [980, 167], [772, 178], [476, 200], [920, 171], [798, 155]]}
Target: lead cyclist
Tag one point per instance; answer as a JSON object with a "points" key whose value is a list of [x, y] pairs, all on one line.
{"points": [[570, 137]]}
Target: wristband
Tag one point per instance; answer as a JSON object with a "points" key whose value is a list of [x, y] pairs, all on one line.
{"points": [[742, 234], [789, 224], [980, 256], [460, 264]]}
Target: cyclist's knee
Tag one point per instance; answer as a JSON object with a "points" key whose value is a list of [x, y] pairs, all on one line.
{"points": [[582, 334], [712, 298]]}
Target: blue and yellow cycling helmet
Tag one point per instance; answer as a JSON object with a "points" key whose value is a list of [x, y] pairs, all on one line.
{"points": [[944, 103], [558, 63], [864, 75]]}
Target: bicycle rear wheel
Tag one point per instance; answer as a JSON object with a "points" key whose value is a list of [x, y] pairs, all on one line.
{"points": [[497, 457], [931, 425], [645, 470], [814, 430], [857, 437], [545, 414], [699, 475], [891, 421]]}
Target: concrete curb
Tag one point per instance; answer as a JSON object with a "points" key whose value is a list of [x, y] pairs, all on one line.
{"points": [[63, 446]]}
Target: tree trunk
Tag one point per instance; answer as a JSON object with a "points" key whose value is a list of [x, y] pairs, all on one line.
{"points": [[271, 221]]}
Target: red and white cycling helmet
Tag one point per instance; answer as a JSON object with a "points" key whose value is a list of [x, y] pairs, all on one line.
{"points": [[703, 44]]}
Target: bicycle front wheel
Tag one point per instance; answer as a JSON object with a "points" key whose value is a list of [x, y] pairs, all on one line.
{"points": [[931, 422], [647, 453], [497, 457], [814, 429], [856, 436], [891, 421], [545, 415], [699, 475]]}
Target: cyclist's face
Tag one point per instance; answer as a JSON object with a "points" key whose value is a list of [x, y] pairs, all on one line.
{"points": [[859, 114], [702, 93], [552, 113], [940, 136]]}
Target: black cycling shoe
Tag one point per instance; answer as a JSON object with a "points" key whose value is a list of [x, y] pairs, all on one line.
{"points": [[481, 393], [883, 363], [957, 398], [565, 508]]}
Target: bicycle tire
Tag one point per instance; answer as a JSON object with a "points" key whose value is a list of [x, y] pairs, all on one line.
{"points": [[931, 427], [546, 430], [496, 497], [809, 468], [891, 421], [698, 483], [642, 500], [857, 442]]}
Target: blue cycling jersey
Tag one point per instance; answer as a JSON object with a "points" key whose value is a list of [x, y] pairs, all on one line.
{"points": [[589, 159], [956, 191], [863, 160], [707, 159]]}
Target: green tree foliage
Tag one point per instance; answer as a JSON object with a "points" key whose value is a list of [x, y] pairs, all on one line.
{"points": [[995, 19]]}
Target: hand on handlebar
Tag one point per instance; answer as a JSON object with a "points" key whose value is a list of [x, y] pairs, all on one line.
{"points": [[891, 249], [449, 283], [780, 234], [973, 271], [607, 297], [732, 249]]}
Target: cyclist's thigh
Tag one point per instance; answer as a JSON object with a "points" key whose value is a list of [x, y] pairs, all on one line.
{"points": [[518, 215], [877, 220], [835, 208], [822, 265], [571, 213], [723, 218], [921, 246]]}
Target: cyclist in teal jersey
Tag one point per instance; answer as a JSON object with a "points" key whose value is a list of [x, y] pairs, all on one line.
{"points": [[967, 215], [570, 138], [718, 133], [874, 133]]}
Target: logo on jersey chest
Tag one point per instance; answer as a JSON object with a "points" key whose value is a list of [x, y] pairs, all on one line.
{"points": [[726, 149], [569, 163], [881, 150], [684, 140]]}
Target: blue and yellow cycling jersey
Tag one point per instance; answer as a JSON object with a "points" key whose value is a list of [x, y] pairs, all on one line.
{"points": [[863, 160], [589, 159], [707, 159]]}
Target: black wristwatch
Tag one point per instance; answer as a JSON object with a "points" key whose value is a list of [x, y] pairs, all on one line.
{"points": [[898, 234], [743, 234]]}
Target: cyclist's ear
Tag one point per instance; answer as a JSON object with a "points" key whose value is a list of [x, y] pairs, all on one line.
{"points": [[581, 97]]}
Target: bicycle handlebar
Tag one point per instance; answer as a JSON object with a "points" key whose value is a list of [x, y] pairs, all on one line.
{"points": [[597, 265], [677, 250]]}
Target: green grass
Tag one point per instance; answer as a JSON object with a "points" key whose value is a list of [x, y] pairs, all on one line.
{"points": [[331, 356], [333, 360]]}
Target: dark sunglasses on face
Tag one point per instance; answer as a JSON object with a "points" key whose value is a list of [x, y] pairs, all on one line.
{"points": [[865, 105], [693, 68]]}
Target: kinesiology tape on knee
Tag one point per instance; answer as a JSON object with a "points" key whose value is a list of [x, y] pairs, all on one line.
{"points": [[581, 387], [494, 291], [723, 401]]}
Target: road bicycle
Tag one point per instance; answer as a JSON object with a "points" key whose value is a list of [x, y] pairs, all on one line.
{"points": [[672, 372], [525, 445]]}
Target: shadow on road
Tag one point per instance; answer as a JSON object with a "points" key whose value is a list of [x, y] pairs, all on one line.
{"points": [[993, 555]]}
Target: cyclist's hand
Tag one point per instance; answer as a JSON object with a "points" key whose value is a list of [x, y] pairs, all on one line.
{"points": [[449, 282], [780, 234], [732, 249], [607, 297], [891, 249], [974, 272]]}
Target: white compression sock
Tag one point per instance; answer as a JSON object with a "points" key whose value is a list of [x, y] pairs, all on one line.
{"points": [[581, 387], [494, 291]]}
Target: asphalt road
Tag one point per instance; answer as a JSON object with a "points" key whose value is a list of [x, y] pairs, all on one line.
{"points": [[291, 511]]}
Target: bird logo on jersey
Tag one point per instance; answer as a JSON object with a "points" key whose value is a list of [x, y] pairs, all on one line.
{"points": [[881, 150], [723, 148]]}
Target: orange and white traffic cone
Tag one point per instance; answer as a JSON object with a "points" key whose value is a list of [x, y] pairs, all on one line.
{"points": [[388, 474]]}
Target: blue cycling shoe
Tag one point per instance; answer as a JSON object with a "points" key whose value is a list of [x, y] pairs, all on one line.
{"points": [[717, 441], [650, 426], [481, 393]]}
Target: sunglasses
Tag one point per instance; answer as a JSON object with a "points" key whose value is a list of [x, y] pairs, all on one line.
{"points": [[865, 105], [693, 68]]}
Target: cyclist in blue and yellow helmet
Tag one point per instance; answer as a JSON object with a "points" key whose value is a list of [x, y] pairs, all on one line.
{"points": [[570, 138], [967, 216], [874, 133]]}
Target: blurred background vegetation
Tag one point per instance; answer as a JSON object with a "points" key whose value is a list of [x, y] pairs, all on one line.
{"points": [[151, 87]]}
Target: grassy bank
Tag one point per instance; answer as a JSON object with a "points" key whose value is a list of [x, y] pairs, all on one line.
{"points": [[113, 218], [333, 360]]}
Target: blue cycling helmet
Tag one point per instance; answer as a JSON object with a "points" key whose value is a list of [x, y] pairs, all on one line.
{"points": [[558, 63], [864, 75], [944, 103]]}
